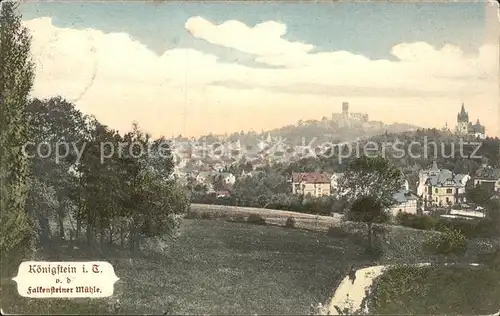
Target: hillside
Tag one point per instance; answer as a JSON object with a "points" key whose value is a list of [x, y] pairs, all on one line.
{"points": [[215, 267], [325, 130], [328, 130]]}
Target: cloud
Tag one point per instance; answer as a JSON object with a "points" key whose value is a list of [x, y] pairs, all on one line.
{"points": [[420, 66], [120, 80], [263, 39]]}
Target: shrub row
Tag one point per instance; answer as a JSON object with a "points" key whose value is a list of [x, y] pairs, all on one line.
{"points": [[470, 228]]}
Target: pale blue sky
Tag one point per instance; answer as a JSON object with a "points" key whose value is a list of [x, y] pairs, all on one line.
{"points": [[239, 76], [370, 29]]}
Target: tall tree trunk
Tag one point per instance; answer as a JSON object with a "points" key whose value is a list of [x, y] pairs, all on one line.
{"points": [[111, 231], [60, 220], [134, 240], [370, 231], [78, 228], [101, 237], [79, 213], [45, 232], [122, 236], [131, 239], [90, 234]]}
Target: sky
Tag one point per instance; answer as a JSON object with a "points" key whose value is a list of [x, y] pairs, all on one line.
{"points": [[192, 68]]}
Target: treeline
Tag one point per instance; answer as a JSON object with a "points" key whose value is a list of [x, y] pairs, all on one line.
{"points": [[267, 189], [53, 167], [285, 202], [116, 188], [57, 184], [419, 152], [472, 228]]}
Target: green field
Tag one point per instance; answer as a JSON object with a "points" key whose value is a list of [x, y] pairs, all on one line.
{"points": [[217, 267]]}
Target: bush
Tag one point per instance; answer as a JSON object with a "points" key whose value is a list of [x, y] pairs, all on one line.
{"points": [[471, 228], [491, 259], [290, 222], [435, 290], [450, 241], [256, 219], [425, 222]]}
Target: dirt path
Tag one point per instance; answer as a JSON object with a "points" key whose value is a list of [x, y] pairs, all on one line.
{"points": [[350, 294]]}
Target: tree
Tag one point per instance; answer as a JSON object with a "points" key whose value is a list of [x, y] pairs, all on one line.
{"points": [[16, 80], [479, 195], [369, 210], [371, 176], [58, 123], [493, 215]]}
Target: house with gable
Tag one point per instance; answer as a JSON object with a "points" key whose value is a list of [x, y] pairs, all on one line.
{"points": [[441, 187], [488, 177], [314, 183], [405, 202]]}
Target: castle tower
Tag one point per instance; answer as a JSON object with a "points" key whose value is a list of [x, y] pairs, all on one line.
{"points": [[462, 121], [345, 109]]}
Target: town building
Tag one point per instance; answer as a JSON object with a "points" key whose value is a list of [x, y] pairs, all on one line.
{"points": [[310, 183], [228, 178], [205, 177], [441, 187], [466, 128], [406, 202], [488, 177]]}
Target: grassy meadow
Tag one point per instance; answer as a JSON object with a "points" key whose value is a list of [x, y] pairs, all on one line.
{"points": [[218, 267], [221, 264]]}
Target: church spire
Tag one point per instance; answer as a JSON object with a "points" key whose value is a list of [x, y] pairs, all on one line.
{"points": [[463, 116], [434, 166]]}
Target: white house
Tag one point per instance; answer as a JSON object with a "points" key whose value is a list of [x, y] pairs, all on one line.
{"points": [[441, 187], [228, 178], [406, 203]]}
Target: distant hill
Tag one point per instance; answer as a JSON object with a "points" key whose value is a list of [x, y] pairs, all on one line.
{"points": [[325, 130], [329, 131]]}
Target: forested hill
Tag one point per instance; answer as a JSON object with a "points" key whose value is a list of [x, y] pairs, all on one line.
{"points": [[328, 130], [322, 130]]}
